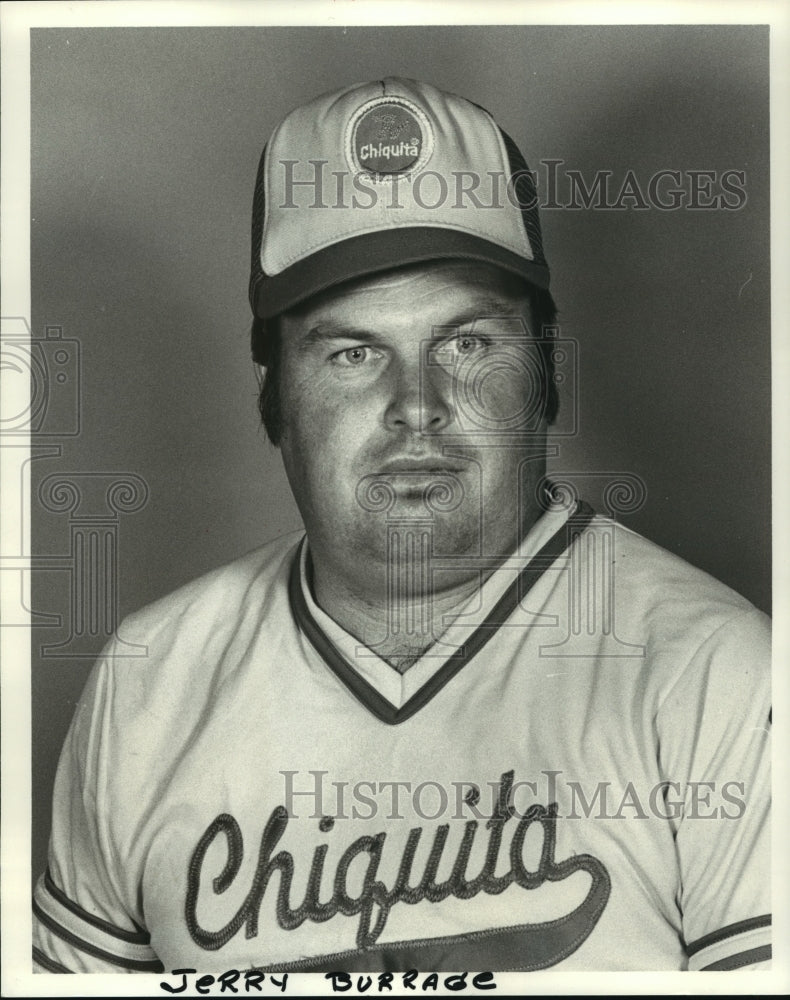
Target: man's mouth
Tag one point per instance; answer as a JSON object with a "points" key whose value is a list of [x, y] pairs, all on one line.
{"points": [[427, 465], [437, 482]]}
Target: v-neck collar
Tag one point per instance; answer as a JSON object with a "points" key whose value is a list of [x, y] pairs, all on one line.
{"points": [[319, 628]]}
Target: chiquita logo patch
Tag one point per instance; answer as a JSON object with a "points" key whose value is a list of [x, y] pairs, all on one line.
{"points": [[387, 139]]}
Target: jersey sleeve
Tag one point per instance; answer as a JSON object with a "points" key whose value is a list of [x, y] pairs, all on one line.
{"points": [[81, 920], [714, 729]]}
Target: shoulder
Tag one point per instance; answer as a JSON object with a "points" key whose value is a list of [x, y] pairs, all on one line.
{"points": [[219, 597], [651, 579], [170, 655], [686, 622]]}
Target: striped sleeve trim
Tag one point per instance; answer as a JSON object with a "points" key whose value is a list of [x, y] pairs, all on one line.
{"points": [[133, 937], [744, 943], [91, 935], [750, 957], [43, 963]]}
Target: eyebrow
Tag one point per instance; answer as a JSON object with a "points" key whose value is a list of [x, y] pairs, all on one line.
{"points": [[326, 332], [487, 309]]}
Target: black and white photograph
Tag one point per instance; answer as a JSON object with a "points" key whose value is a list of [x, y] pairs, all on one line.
{"points": [[391, 530]]}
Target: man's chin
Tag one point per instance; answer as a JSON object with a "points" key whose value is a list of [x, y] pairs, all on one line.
{"points": [[409, 535]]}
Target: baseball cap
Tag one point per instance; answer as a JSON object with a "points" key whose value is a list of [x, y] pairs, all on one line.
{"points": [[383, 174]]}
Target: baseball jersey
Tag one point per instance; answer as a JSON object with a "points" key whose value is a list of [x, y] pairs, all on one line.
{"points": [[575, 775]]}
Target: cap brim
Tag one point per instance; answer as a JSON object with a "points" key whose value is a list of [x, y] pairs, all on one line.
{"points": [[370, 253]]}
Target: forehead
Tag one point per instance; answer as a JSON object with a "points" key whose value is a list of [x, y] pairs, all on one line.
{"points": [[432, 289]]}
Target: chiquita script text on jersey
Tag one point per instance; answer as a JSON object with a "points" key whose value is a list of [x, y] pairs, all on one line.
{"points": [[375, 901]]}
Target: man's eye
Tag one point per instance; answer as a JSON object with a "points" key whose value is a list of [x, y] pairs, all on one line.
{"points": [[353, 357], [456, 349], [467, 344]]}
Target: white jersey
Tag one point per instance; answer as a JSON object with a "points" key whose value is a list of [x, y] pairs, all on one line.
{"points": [[575, 776]]}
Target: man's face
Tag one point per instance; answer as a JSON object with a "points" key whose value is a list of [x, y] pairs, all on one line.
{"points": [[413, 397]]}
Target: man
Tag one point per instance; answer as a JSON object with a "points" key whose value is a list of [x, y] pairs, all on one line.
{"points": [[464, 722]]}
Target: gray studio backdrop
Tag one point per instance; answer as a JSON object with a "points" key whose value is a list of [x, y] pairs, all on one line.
{"points": [[145, 144]]}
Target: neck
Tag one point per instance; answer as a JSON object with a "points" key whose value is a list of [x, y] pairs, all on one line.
{"points": [[397, 609], [401, 628]]}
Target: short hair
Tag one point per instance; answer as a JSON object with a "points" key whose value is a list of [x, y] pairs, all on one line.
{"points": [[266, 337]]}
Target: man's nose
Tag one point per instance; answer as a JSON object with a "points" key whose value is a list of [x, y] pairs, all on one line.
{"points": [[418, 398]]}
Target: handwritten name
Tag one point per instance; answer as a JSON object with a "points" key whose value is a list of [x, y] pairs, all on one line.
{"points": [[226, 982], [251, 980]]}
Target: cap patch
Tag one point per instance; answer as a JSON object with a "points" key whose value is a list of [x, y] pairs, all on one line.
{"points": [[388, 137]]}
